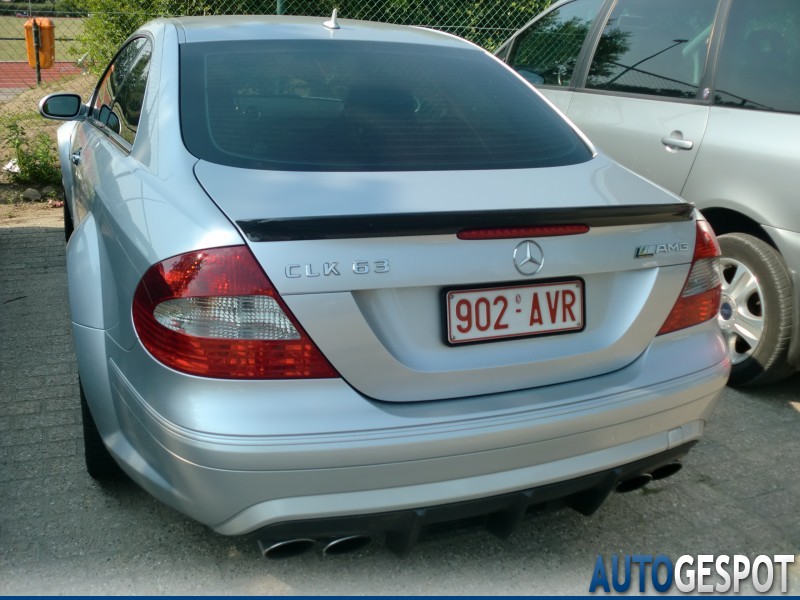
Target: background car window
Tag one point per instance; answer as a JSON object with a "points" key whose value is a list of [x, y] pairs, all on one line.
{"points": [[120, 93], [546, 53], [759, 63], [352, 106], [656, 48]]}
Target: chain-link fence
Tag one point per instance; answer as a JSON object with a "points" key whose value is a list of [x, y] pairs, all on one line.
{"points": [[85, 33], [22, 85]]}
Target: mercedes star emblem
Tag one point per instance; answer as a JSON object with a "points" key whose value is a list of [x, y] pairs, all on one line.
{"points": [[528, 257]]}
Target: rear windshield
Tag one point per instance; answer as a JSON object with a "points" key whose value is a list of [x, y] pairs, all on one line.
{"points": [[336, 105]]}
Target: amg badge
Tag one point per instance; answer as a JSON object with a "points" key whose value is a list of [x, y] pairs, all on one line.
{"points": [[653, 249]]}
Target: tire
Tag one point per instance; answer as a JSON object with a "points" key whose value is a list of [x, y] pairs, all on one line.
{"points": [[68, 225], [757, 310], [99, 463]]}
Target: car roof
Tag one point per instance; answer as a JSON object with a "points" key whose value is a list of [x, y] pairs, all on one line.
{"points": [[279, 27]]}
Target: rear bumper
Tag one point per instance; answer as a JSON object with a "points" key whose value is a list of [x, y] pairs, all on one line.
{"points": [[369, 458], [217, 481], [590, 477], [499, 514]]}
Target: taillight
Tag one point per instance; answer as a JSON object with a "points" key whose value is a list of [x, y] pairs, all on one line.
{"points": [[214, 313], [700, 298]]}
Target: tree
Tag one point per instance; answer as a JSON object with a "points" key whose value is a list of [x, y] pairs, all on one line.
{"points": [[484, 22], [110, 22]]}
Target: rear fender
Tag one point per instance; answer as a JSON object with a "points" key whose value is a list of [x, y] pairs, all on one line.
{"points": [[92, 302], [90, 280], [90, 350]]}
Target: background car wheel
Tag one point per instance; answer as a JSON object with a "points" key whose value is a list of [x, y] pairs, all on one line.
{"points": [[99, 462], [756, 311], [68, 225]]}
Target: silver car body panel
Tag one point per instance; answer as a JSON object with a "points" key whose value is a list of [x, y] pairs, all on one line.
{"points": [[732, 164], [561, 99], [740, 168], [265, 27], [631, 131], [382, 331], [598, 182], [63, 137], [788, 243]]}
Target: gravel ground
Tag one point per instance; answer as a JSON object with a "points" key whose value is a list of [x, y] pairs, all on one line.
{"points": [[15, 212]]}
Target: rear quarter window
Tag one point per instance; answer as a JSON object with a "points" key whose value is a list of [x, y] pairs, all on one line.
{"points": [[348, 106]]}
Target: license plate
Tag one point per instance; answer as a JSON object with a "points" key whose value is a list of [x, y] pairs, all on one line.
{"points": [[497, 313]]}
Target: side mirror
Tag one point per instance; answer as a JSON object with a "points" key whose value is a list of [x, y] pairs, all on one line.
{"points": [[61, 107]]}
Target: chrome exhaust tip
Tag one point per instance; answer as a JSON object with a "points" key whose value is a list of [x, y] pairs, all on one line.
{"points": [[285, 548], [634, 483], [345, 545], [667, 471]]}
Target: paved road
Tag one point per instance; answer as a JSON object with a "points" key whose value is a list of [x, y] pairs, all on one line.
{"points": [[61, 533]]}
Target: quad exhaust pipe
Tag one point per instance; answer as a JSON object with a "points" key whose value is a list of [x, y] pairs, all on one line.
{"points": [[666, 471], [500, 523], [634, 483], [281, 549], [642, 479], [345, 545], [285, 548]]}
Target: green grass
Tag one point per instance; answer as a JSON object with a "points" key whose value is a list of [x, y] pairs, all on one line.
{"points": [[14, 50]]}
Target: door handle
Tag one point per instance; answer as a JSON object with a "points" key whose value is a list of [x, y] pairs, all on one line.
{"points": [[674, 143], [76, 157]]}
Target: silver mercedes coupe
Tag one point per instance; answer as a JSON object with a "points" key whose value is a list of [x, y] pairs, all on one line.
{"points": [[335, 280]]}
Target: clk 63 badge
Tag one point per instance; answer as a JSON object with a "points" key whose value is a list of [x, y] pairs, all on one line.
{"points": [[327, 269]]}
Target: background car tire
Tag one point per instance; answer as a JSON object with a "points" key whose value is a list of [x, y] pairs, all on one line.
{"points": [[757, 310], [99, 462]]}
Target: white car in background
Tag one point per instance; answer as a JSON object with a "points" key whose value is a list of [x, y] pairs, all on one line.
{"points": [[701, 97]]}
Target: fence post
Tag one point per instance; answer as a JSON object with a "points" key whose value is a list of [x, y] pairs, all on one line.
{"points": [[37, 42], [280, 8]]}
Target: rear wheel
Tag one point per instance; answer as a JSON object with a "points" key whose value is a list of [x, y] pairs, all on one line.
{"points": [[756, 310], [99, 462]]}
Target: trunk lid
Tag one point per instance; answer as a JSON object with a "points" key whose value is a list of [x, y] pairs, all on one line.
{"points": [[371, 265]]}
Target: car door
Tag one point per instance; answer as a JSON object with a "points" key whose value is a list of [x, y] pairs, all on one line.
{"points": [[643, 97], [751, 140], [547, 51]]}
